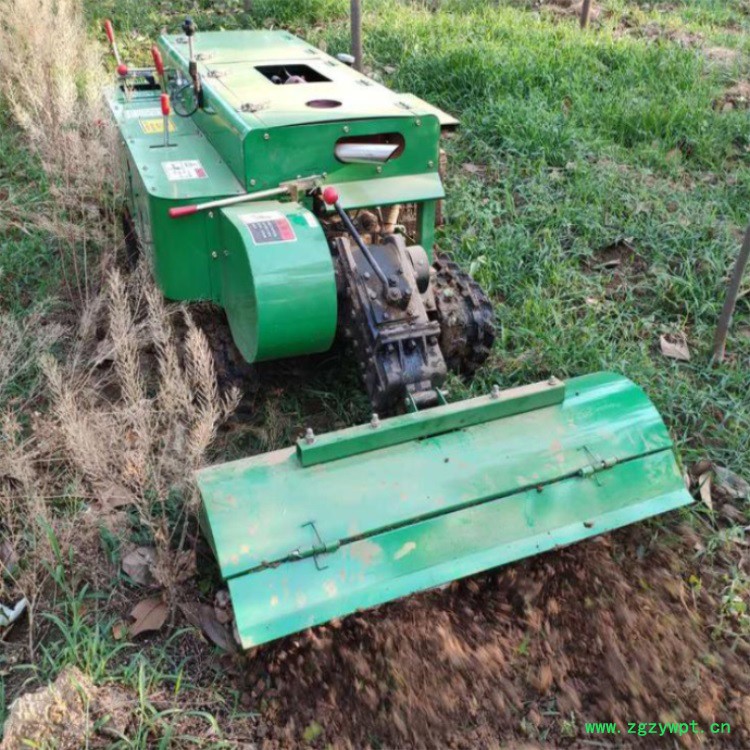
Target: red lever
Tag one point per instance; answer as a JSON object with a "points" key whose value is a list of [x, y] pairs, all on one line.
{"points": [[330, 195], [109, 31], [178, 211], [158, 62], [165, 108]]}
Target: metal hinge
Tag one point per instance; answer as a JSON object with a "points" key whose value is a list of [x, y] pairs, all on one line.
{"points": [[596, 464]]}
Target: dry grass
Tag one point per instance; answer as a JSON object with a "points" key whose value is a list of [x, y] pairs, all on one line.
{"points": [[129, 403], [133, 412], [52, 79]]}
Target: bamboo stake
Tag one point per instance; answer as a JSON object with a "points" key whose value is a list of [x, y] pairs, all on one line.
{"points": [[356, 31], [585, 12], [725, 319]]}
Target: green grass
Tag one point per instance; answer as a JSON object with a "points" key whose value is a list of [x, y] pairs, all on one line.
{"points": [[29, 263]]}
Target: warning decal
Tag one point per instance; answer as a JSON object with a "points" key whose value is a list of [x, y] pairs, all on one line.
{"points": [[189, 169], [271, 226], [155, 125]]}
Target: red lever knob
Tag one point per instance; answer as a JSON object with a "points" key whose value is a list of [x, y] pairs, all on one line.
{"points": [[178, 211], [330, 195], [109, 31], [122, 70], [165, 108], [158, 62]]}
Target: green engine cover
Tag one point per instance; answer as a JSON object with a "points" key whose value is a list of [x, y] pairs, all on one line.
{"points": [[278, 285]]}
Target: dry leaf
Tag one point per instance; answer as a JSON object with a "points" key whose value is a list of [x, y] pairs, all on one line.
{"points": [[704, 485], [113, 495], [730, 484], [119, 629], [675, 347], [8, 556], [185, 566], [203, 616], [149, 614], [473, 168], [139, 563]]}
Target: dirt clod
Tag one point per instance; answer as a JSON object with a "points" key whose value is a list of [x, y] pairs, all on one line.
{"points": [[63, 713]]}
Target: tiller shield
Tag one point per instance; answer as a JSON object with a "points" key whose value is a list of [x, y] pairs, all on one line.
{"points": [[358, 517]]}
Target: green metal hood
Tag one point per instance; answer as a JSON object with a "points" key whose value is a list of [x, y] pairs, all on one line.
{"points": [[232, 64]]}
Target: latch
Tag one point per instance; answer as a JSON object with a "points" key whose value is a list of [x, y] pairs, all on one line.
{"points": [[321, 548], [596, 464]]}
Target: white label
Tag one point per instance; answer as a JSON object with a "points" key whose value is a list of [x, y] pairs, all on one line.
{"points": [[134, 114], [190, 169]]}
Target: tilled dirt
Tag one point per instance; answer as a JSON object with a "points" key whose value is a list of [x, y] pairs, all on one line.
{"points": [[622, 628]]}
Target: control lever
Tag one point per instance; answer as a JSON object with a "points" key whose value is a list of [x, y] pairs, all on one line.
{"points": [[189, 28], [331, 197], [122, 69]]}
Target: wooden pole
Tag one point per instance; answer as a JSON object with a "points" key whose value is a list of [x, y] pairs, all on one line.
{"points": [[725, 319], [585, 12], [356, 30]]}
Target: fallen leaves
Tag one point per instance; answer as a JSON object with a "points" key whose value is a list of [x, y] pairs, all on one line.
{"points": [[139, 565], [113, 496], [675, 346], [204, 617], [148, 615], [717, 484]]}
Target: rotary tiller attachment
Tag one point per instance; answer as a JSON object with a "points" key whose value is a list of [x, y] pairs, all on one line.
{"points": [[358, 517]]}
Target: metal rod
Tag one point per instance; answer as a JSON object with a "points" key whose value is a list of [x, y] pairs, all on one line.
{"points": [[179, 211], [360, 242], [356, 32], [725, 319]]}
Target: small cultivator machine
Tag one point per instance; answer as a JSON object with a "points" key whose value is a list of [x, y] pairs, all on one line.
{"points": [[266, 176]]}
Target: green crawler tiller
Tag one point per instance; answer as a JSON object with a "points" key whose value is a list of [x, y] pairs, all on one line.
{"points": [[267, 176]]}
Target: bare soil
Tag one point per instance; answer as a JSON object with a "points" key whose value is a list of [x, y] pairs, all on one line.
{"points": [[622, 628]]}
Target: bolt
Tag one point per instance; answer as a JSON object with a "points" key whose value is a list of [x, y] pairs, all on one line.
{"points": [[379, 169], [345, 128], [430, 164], [214, 254], [252, 182], [373, 295], [210, 214], [309, 436], [386, 316], [417, 122], [226, 253], [375, 421], [495, 392], [367, 275], [266, 136], [553, 381]]}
